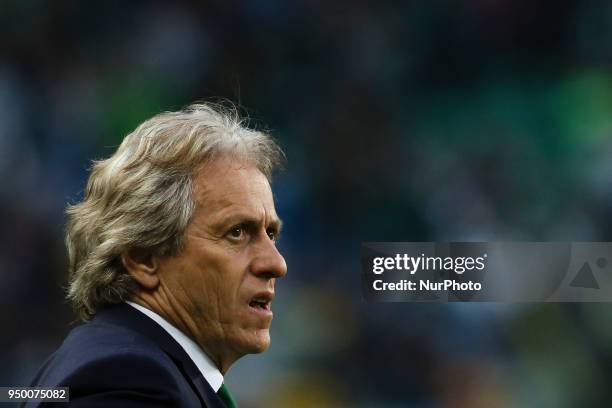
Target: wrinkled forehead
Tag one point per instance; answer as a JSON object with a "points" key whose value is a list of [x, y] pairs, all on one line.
{"points": [[229, 182]]}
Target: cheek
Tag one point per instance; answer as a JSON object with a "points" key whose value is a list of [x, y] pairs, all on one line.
{"points": [[229, 292], [212, 278], [218, 285], [192, 283]]}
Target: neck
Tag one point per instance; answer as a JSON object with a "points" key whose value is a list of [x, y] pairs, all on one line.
{"points": [[186, 324]]}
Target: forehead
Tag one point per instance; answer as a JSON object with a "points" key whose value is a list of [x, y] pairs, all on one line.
{"points": [[227, 183]]}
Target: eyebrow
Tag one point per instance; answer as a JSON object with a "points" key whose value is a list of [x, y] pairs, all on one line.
{"points": [[279, 228], [234, 219]]}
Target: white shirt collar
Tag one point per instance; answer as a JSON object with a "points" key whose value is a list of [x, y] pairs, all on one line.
{"points": [[208, 369]]}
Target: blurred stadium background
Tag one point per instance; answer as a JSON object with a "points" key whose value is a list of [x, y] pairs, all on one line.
{"points": [[419, 121]]}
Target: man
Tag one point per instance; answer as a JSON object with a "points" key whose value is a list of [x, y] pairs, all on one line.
{"points": [[173, 262]]}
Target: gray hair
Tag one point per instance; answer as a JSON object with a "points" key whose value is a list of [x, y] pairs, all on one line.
{"points": [[141, 196]]}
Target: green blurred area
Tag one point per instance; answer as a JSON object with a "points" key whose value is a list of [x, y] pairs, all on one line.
{"points": [[418, 121]]}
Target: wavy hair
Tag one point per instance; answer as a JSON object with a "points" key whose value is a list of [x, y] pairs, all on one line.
{"points": [[141, 196]]}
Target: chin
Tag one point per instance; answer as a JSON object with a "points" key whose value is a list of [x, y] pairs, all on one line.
{"points": [[256, 342]]}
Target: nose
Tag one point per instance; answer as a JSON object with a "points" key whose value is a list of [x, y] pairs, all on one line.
{"points": [[267, 261]]}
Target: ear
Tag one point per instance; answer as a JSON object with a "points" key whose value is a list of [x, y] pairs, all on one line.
{"points": [[142, 265]]}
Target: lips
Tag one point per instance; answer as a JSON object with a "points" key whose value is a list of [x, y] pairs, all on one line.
{"points": [[262, 302]]}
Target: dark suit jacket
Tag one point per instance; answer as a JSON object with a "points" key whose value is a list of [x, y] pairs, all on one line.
{"points": [[123, 358]]}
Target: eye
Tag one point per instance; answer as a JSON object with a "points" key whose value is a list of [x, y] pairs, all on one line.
{"points": [[272, 234], [236, 232]]}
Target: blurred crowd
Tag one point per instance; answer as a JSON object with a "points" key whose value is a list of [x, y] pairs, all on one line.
{"points": [[411, 121]]}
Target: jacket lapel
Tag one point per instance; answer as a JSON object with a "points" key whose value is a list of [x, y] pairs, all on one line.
{"points": [[128, 317]]}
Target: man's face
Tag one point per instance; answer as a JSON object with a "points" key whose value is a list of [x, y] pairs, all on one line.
{"points": [[221, 283]]}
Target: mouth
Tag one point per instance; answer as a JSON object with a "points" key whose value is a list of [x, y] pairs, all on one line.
{"points": [[262, 303]]}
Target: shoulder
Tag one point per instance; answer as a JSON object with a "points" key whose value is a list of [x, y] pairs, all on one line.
{"points": [[104, 363]]}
